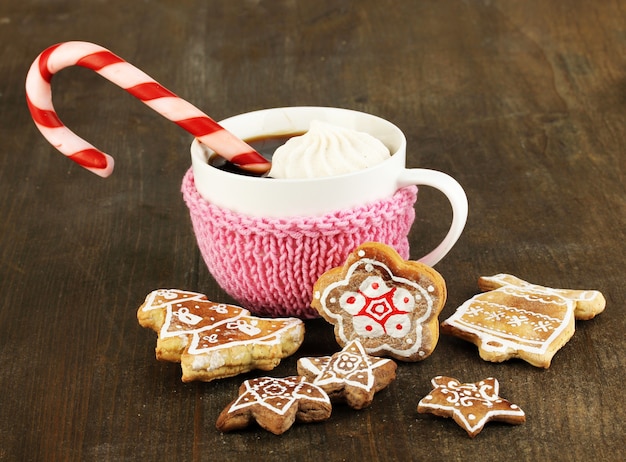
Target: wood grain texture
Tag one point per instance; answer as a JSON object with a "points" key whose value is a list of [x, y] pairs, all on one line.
{"points": [[522, 101]]}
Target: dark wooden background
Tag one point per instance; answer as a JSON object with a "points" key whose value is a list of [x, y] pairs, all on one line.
{"points": [[523, 101]]}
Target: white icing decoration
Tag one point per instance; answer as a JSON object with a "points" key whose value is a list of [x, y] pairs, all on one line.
{"points": [[510, 332], [363, 325], [164, 297], [188, 318], [221, 308], [397, 326], [244, 327], [341, 367], [461, 397], [352, 302], [205, 339], [574, 295], [366, 327], [289, 389]]}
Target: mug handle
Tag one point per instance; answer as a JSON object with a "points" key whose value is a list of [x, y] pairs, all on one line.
{"points": [[458, 200]]}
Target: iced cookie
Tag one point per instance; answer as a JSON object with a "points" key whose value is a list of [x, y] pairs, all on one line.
{"points": [[275, 404], [471, 405], [215, 340], [389, 304], [587, 303], [516, 319], [350, 375]]}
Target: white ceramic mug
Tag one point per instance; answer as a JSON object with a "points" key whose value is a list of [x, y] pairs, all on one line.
{"points": [[284, 198]]}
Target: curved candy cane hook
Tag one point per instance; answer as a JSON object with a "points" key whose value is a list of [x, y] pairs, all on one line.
{"points": [[138, 84]]}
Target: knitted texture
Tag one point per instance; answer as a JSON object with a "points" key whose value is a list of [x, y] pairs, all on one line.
{"points": [[269, 265]]}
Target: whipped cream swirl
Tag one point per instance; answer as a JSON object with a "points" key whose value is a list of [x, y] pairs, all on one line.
{"points": [[327, 150]]}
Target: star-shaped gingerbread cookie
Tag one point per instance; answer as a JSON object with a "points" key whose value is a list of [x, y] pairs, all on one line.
{"points": [[471, 405], [215, 340], [350, 375], [275, 404], [390, 304]]}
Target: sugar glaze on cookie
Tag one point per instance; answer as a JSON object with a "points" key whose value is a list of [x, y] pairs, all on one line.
{"points": [[350, 375], [277, 395], [275, 404], [379, 309], [504, 325], [389, 304], [517, 319], [471, 405], [214, 340]]}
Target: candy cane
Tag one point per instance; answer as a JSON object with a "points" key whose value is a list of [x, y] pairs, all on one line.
{"points": [[138, 84]]}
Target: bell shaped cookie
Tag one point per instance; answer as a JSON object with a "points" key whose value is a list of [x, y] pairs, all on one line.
{"points": [[517, 319]]}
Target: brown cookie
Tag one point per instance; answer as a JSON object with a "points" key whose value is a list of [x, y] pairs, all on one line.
{"points": [[587, 303], [215, 340], [350, 375], [471, 405], [516, 319], [390, 304], [275, 404]]}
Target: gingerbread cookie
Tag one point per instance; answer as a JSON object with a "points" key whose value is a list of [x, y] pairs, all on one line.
{"points": [[389, 304], [587, 303], [471, 405], [351, 375], [215, 340], [275, 404], [516, 319]]}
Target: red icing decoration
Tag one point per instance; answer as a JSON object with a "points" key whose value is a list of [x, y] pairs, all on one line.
{"points": [[380, 309]]}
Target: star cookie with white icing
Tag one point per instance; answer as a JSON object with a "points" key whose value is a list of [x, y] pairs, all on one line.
{"points": [[390, 304], [350, 375], [471, 405], [516, 319], [275, 404], [215, 340]]}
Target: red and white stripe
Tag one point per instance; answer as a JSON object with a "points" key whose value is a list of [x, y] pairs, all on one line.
{"points": [[138, 84]]}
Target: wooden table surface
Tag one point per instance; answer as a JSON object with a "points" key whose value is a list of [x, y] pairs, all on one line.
{"points": [[522, 101]]}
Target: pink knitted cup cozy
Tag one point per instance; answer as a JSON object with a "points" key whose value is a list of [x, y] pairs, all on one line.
{"points": [[269, 265]]}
